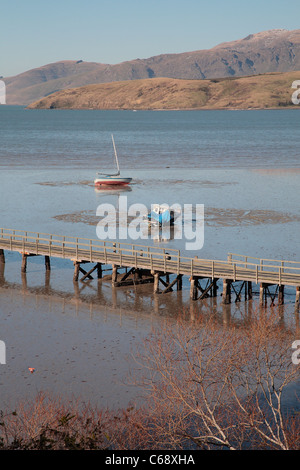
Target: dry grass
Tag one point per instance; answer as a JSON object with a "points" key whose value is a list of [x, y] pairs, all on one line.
{"points": [[252, 92]]}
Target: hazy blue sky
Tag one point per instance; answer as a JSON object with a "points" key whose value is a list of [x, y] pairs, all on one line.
{"points": [[37, 32]]}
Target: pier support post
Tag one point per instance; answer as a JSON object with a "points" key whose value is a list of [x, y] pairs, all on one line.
{"points": [[281, 295], [179, 282], [76, 270], [214, 288], [2, 257], [99, 270], [297, 301], [114, 276], [156, 283], [24, 263], [262, 295], [226, 298], [193, 288], [47, 263], [249, 287]]}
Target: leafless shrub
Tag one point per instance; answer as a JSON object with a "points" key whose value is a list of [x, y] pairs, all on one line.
{"points": [[215, 387]]}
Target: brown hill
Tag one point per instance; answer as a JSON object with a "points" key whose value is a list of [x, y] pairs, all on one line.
{"points": [[265, 52], [262, 91]]}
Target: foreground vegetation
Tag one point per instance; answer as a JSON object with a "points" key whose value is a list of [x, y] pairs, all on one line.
{"points": [[207, 386]]}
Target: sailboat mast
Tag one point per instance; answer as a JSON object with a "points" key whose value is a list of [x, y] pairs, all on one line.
{"points": [[115, 154]]}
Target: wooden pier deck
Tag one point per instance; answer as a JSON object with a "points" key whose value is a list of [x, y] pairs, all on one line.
{"points": [[154, 264]]}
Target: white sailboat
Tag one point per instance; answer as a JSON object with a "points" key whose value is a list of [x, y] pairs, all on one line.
{"points": [[112, 179]]}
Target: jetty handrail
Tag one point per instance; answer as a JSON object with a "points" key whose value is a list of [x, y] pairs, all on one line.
{"points": [[82, 241], [261, 261]]}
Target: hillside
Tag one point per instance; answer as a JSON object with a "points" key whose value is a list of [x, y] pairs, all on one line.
{"points": [[253, 92], [264, 52]]}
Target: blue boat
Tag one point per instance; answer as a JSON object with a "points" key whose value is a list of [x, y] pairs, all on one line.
{"points": [[161, 215]]}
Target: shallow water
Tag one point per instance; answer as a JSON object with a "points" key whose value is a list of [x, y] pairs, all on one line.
{"points": [[244, 168]]}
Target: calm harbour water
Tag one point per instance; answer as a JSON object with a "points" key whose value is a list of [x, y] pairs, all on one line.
{"points": [[242, 165]]}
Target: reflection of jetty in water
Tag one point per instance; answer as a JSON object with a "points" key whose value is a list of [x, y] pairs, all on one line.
{"points": [[139, 300]]}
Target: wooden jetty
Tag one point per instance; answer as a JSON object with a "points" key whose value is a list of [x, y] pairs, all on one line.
{"points": [[150, 264]]}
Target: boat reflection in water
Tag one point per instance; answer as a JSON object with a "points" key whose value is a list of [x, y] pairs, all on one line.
{"points": [[112, 190]]}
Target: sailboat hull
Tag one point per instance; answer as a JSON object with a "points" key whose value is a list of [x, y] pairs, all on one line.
{"points": [[112, 181]]}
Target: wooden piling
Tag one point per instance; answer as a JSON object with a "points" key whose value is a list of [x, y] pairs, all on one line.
{"points": [[47, 263], [24, 263], [249, 288], [156, 283], [2, 256], [263, 294], [226, 298], [281, 295], [114, 276], [179, 282], [297, 301], [99, 270], [76, 270], [214, 288], [193, 288]]}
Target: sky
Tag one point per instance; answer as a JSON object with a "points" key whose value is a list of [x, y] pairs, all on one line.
{"points": [[37, 32]]}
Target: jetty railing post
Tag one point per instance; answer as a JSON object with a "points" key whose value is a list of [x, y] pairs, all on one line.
{"points": [[279, 283]]}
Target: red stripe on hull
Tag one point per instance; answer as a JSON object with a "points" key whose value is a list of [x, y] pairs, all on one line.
{"points": [[113, 183]]}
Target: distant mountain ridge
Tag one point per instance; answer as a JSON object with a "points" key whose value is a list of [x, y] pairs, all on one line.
{"points": [[265, 52]]}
